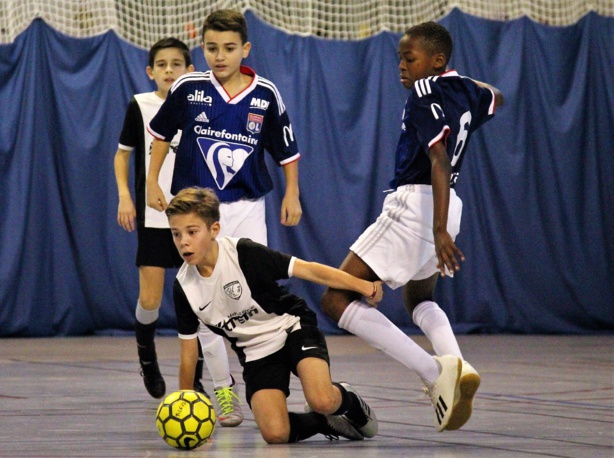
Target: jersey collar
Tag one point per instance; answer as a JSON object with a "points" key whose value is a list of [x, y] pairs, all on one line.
{"points": [[245, 70]]}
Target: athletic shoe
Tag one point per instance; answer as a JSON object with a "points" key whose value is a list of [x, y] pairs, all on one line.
{"points": [[230, 413], [367, 423], [198, 386], [444, 390], [463, 398], [152, 378], [339, 426]]}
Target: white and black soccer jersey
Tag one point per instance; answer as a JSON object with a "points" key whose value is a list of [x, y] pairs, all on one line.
{"points": [[446, 107], [224, 138], [241, 300], [134, 136]]}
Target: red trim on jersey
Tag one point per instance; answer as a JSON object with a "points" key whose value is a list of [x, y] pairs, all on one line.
{"points": [[244, 70]]}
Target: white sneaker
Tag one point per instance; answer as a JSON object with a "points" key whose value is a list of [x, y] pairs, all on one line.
{"points": [[230, 413], [443, 392], [463, 398]]}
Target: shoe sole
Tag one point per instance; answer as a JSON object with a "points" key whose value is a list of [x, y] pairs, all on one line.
{"points": [[231, 423], [467, 387], [343, 428]]}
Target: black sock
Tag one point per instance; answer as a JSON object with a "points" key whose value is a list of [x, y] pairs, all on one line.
{"points": [[145, 341], [350, 407], [346, 401], [198, 373], [305, 425]]}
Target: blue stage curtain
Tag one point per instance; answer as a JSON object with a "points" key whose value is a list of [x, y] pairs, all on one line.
{"points": [[537, 184]]}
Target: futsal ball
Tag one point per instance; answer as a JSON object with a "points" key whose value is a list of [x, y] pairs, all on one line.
{"points": [[185, 419]]}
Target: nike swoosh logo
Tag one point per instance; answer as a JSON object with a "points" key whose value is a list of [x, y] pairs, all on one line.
{"points": [[204, 306], [304, 348]]}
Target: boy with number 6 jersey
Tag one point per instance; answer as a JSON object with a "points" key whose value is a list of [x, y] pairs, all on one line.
{"points": [[412, 242]]}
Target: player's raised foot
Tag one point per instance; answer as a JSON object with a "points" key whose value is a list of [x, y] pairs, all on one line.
{"points": [[363, 419], [198, 386], [230, 413], [467, 387], [338, 426], [444, 391], [152, 378]]}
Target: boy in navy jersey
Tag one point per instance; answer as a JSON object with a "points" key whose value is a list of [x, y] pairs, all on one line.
{"points": [[228, 117], [412, 242], [230, 284], [168, 59]]}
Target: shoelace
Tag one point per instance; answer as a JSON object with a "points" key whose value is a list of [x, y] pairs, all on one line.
{"points": [[224, 398]]}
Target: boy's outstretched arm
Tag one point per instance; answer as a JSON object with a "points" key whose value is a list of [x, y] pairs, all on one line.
{"points": [[155, 196], [499, 100], [291, 210], [338, 279]]}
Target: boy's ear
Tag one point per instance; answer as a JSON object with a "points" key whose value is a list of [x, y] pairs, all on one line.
{"points": [[246, 48], [190, 68], [150, 72], [439, 61], [215, 229]]}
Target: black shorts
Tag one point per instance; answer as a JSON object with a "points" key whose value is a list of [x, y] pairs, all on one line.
{"points": [[273, 371], [156, 248]]}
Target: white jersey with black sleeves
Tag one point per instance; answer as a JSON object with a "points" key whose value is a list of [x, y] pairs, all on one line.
{"points": [[241, 300], [135, 137]]}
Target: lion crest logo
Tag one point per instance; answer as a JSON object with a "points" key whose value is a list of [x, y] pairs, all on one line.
{"points": [[233, 289]]}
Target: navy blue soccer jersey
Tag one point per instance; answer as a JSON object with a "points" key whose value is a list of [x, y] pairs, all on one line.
{"points": [[448, 108], [223, 138]]}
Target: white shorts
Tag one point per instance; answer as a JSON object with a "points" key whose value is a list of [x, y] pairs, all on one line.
{"points": [[399, 246], [244, 218]]}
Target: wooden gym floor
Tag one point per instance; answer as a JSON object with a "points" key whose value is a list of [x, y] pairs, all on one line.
{"points": [[541, 396]]}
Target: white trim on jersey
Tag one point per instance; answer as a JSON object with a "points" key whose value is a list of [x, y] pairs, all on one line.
{"points": [[269, 84], [291, 159], [125, 147], [193, 76]]}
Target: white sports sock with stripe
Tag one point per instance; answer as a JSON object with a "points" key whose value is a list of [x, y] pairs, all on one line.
{"points": [[371, 325]]}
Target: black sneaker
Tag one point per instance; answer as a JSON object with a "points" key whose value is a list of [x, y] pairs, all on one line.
{"points": [[152, 378], [367, 424], [339, 426], [198, 386]]}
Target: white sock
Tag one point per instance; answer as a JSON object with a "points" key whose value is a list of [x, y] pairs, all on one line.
{"points": [[145, 316], [216, 356], [371, 325], [435, 324]]}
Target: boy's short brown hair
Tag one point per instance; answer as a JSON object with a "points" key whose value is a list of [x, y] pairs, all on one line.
{"points": [[226, 21], [201, 201], [169, 42]]}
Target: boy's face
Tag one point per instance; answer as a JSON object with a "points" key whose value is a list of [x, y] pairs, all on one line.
{"points": [[416, 62], [169, 64], [224, 53], [192, 237]]}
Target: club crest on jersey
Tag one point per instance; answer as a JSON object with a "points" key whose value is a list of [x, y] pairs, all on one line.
{"points": [[233, 289], [224, 159], [254, 122]]}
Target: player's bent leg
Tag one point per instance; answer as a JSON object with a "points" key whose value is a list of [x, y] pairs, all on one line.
{"points": [[335, 301], [271, 415]]}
